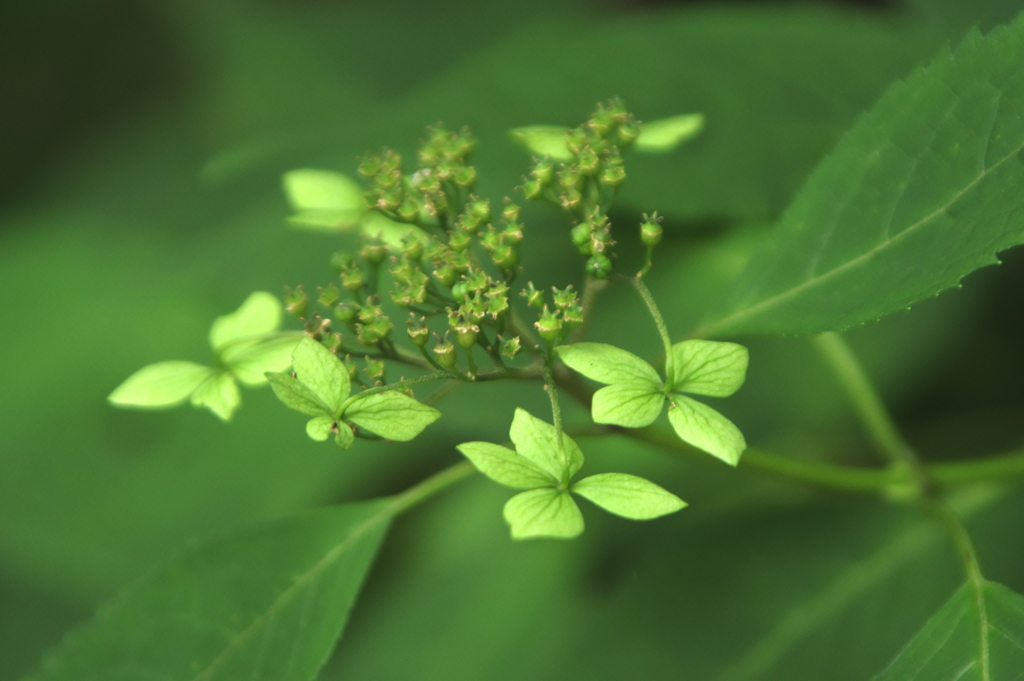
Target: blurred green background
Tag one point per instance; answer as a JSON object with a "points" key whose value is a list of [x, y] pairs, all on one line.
{"points": [[140, 156]]}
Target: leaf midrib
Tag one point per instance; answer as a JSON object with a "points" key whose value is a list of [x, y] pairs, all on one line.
{"points": [[867, 255], [246, 634]]}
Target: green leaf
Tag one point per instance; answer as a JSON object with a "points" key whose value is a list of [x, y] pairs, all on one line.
{"points": [[505, 466], [923, 190], [259, 314], [297, 396], [630, 406], [609, 364], [387, 230], [322, 372], [977, 634], [250, 362], [703, 427], [345, 437], [535, 440], [543, 140], [709, 368], [392, 415], [166, 384], [628, 496], [666, 134], [267, 604], [543, 512], [322, 189], [319, 428], [326, 219], [219, 394]]}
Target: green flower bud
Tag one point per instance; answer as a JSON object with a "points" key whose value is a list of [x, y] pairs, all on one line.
{"points": [[412, 247], [511, 211], [589, 163], [512, 234], [418, 331], [543, 171], [444, 353], [650, 230], [534, 298], [599, 266], [460, 262], [370, 166], [581, 237], [506, 257], [565, 297], [570, 199], [374, 369], [572, 316], [549, 326], [374, 252], [465, 176], [613, 176], [328, 296], [532, 189], [296, 302], [341, 260], [480, 210], [511, 347], [352, 278], [351, 367], [445, 274], [332, 341], [465, 333], [409, 210], [459, 240], [373, 333], [627, 135], [576, 139], [346, 312]]}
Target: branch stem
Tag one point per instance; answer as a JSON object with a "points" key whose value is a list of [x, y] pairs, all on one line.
{"points": [[422, 491], [659, 321], [869, 407]]}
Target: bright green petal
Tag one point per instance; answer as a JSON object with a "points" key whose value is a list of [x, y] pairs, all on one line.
{"points": [[219, 394], [703, 427], [544, 512], [258, 315], [166, 384], [628, 496], [609, 364], [627, 405]]}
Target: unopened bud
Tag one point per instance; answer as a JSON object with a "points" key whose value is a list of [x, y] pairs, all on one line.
{"points": [[599, 266], [444, 353], [296, 302], [650, 230], [549, 326]]}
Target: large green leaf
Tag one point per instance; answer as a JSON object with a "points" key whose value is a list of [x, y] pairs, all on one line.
{"points": [[978, 635], [269, 604], [925, 189]]}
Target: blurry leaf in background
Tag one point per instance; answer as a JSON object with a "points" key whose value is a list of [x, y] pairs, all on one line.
{"points": [[930, 176], [666, 134], [269, 604], [950, 645], [323, 199]]}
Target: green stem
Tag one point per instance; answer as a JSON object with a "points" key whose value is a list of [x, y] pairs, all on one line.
{"points": [[969, 558], [556, 414], [431, 486], [590, 290], [659, 321], [998, 467], [869, 406], [470, 362], [845, 478], [398, 385]]}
